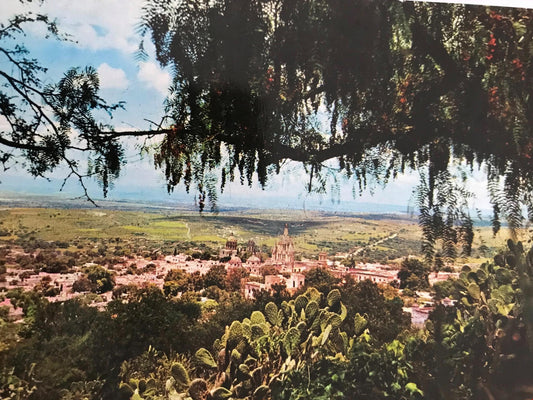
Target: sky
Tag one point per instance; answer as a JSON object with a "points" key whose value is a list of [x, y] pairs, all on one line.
{"points": [[103, 35]]}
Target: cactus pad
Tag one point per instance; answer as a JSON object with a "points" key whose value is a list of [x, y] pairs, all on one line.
{"points": [[261, 393], [243, 373], [291, 340], [334, 298], [235, 335], [257, 317], [359, 323], [198, 389], [204, 358], [257, 331], [271, 312], [180, 374], [474, 291], [300, 303], [311, 310], [335, 321], [221, 393]]}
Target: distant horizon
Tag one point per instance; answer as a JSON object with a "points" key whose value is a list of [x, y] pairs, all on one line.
{"points": [[183, 204]]}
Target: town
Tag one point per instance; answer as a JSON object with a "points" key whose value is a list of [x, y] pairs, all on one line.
{"points": [[255, 274]]}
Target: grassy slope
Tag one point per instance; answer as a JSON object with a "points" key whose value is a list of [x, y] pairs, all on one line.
{"points": [[312, 231]]}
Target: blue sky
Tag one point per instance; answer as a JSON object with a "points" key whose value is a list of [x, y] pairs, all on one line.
{"points": [[103, 36]]}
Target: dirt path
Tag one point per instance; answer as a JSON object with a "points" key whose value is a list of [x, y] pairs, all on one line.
{"points": [[356, 252]]}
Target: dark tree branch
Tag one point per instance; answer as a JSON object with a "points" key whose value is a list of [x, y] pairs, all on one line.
{"points": [[22, 146]]}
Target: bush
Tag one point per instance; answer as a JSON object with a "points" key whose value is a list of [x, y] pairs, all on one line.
{"points": [[82, 285]]}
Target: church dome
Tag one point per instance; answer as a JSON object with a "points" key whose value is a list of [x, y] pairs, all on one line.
{"points": [[253, 259], [235, 260]]}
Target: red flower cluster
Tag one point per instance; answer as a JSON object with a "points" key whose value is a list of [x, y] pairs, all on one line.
{"points": [[491, 47], [519, 68], [495, 15], [269, 78]]}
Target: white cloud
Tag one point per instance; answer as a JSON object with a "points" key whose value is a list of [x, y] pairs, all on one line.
{"points": [[4, 124], [93, 24], [154, 77], [112, 78]]}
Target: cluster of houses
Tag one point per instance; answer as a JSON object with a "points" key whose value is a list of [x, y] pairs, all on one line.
{"points": [[289, 272], [280, 270]]}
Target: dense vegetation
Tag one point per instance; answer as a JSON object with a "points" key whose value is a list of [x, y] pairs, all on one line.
{"points": [[347, 341]]}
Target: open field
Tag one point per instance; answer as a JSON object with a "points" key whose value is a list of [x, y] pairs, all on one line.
{"points": [[312, 232]]}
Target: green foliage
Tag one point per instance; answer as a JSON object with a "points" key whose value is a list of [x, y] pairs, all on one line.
{"points": [[413, 274], [234, 278], [291, 351], [443, 289], [177, 281], [396, 88], [257, 318], [385, 371], [484, 344], [51, 122], [383, 317], [359, 324], [101, 279], [198, 389], [216, 276], [221, 393], [334, 298], [320, 279], [271, 312], [180, 375], [14, 388], [256, 354], [82, 390], [444, 217]]}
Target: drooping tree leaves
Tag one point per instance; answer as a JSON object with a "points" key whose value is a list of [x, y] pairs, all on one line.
{"points": [[381, 87], [366, 89]]}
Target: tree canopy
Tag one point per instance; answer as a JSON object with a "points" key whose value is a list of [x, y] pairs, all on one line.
{"points": [[363, 89], [45, 125]]}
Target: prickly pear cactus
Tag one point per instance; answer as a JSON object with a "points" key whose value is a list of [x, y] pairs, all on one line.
{"points": [[495, 286], [198, 389], [180, 375], [138, 389], [203, 358], [254, 355]]}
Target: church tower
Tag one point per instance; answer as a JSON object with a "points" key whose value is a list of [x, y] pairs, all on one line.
{"points": [[230, 249], [283, 252]]}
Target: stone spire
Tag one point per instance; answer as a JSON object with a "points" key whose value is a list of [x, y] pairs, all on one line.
{"points": [[283, 251]]}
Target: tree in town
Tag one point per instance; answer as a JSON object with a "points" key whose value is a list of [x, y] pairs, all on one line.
{"points": [[101, 279], [320, 278], [216, 276], [176, 281], [385, 317], [413, 274], [234, 278], [268, 270]]}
